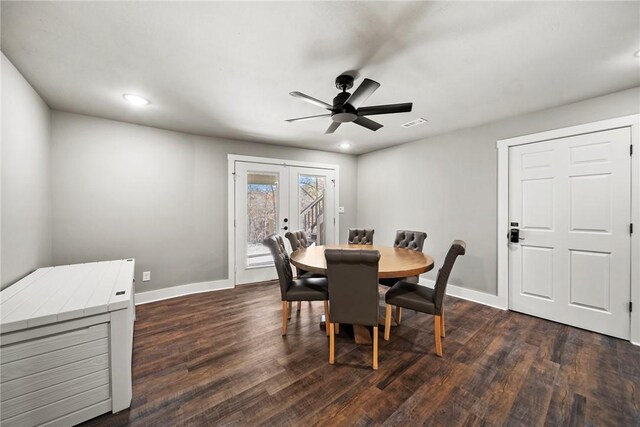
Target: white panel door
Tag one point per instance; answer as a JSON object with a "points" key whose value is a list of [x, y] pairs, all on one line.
{"points": [[570, 198]]}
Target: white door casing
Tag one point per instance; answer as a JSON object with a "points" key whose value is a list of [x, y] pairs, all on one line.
{"points": [[571, 200]]}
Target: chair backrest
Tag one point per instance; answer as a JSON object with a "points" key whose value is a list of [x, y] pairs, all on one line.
{"points": [[353, 286], [458, 247], [361, 236], [281, 259], [298, 239], [410, 239]]}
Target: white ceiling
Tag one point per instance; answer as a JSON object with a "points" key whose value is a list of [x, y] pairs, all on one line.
{"points": [[226, 68]]}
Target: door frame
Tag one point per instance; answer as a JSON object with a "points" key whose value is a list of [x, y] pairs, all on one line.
{"points": [[231, 199], [503, 145]]}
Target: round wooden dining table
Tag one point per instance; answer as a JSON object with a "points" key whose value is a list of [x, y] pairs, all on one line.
{"points": [[394, 262]]}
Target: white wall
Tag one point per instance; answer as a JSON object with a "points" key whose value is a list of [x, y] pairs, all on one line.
{"points": [[446, 185], [26, 191], [123, 190]]}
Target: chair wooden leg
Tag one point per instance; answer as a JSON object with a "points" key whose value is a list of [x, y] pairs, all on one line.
{"points": [[398, 314], [387, 323], [289, 310], [299, 305], [337, 328], [437, 333], [442, 323], [284, 318], [331, 344], [375, 348], [326, 316]]}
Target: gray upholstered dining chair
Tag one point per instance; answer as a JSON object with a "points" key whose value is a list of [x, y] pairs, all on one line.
{"points": [[408, 239], [360, 236], [301, 289], [298, 239], [413, 240], [423, 299], [353, 292]]}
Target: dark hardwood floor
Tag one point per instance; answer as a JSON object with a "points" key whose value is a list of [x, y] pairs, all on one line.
{"points": [[218, 359]]}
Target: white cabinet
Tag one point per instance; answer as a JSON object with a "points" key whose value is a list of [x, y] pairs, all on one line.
{"points": [[66, 336]]}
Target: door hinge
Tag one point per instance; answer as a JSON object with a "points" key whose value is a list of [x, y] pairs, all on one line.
{"points": [[631, 149], [235, 176], [631, 228], [630, 306], [234, 223]]}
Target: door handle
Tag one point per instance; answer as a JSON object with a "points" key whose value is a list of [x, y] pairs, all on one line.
{"points": [[514, 235]]}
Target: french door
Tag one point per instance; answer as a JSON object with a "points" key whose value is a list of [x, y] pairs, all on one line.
{"points": [[570, 250], [275, 198]]}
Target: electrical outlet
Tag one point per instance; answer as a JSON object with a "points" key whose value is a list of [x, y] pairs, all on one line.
{"points": [[341, 209], [146, 276]]}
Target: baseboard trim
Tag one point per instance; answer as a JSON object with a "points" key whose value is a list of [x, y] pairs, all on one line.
{"points": [[182, 290], [469, 294]]}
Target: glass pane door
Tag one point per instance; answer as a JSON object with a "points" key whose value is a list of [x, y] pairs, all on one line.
{"points": [[263, 196], [274, 199], [262, 202], [312, 199]]}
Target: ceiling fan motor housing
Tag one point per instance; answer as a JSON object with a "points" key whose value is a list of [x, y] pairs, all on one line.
{"points": [[344, 82], [342, 112]]}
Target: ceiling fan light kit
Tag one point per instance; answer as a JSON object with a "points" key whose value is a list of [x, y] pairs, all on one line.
{"points": [[346, 106]]}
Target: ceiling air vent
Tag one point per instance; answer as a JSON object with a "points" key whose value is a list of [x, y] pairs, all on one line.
{"points": [[415, 122]]}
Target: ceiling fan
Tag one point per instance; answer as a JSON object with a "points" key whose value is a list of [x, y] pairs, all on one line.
{"points": [[346, 106]]}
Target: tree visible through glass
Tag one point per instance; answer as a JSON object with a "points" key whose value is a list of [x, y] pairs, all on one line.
{"points": [[262, 214]]}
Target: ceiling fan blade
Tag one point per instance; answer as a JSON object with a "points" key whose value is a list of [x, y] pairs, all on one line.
{"points": [[299, 119], [368, 123], [364, 91], [332, 127], [385, 109], [311, 100]]}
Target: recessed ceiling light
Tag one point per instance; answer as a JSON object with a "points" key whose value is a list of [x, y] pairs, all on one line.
{"points": [[345, 145], [135, 99], [637, 54]]}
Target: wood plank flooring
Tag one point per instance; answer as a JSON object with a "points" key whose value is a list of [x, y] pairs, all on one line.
{"points": [[218, 359]]}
